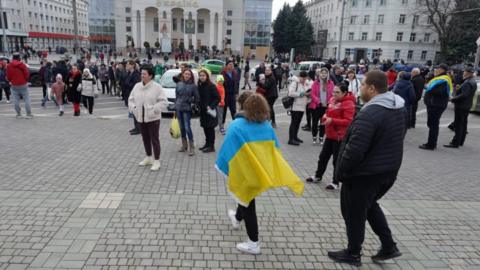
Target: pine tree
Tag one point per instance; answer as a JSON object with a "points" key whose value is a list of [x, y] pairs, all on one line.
{"points": [[280, 38], [299, 29]]}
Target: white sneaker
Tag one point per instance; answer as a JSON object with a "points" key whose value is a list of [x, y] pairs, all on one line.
{"points": [[235, 223], [155, 166], [147, 161], [249, 247]]}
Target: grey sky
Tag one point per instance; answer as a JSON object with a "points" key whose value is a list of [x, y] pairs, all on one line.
{"points": [[278, 4]]}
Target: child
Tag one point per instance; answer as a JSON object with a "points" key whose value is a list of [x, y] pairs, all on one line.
{"points": [[221, 105], [57, 90], [260, 85]]}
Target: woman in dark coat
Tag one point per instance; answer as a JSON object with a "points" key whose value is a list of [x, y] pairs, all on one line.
{"points": [[74, 93], [209, 99], [404, 88], [271, 92]]}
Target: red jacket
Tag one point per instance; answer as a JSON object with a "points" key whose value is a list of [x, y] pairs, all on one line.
{"points": [[342, 113], [391, 77], [17, 73]]}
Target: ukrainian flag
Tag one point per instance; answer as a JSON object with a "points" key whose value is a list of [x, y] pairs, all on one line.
{"points": [[439, 80], [251, 161]]}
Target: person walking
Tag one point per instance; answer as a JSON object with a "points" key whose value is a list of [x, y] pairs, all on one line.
{"points": [[131, 79], [463, 101], [368, 162], [231, 91], [299, 90], [103, 77], [4, 83], [57, 92], [271, 93], [322, 92], [251, 175], [436, 98], [259, 70], [75, 89], [353, 83], [17, 74], [47, 81], [278, 76], [186, 93], [112, 89], [209, 100], [337, 119], [147, 101], [221, 103], [418, 82], [89, 90], [246, 76], [404, 88]]}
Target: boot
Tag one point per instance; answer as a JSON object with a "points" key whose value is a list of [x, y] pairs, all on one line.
{"points": [[184, 146], [191, 149]]}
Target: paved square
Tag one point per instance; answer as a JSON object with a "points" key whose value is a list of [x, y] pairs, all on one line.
{"points": [[73, 197]]}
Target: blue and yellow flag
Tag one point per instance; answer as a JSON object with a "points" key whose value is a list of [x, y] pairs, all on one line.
{"points": [[439, 80], [251, 160]]}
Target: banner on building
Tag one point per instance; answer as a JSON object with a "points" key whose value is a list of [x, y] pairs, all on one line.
{"points": [[190, 26], [166, 45], [322, 38]]}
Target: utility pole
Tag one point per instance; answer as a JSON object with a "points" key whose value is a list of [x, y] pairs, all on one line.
{"points": [[339, 51], [75, 26], [4, 28]]}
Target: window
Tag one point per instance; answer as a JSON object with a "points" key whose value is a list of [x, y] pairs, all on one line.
{"points": [[426, 38], [129, 29], [415, 19], [429, 20], [155, 24], [397, 54], [174, 24], [413, 36], [381, 19], [366, 19], [368, 3], [378, 36], [350, 36], [353, 19], [364, 36], [229, 23], [401, 20], [383, 2], [404, 2], [399, 36], [410, 55], [229, 12], [354, 3], [201, 26], [424, 55], [229, 31], [128, 10], [128, 19]]}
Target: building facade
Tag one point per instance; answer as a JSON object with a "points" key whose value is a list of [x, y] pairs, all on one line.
{"points": [[197, 24], [382, 29], [41, 24], [101, 17]]}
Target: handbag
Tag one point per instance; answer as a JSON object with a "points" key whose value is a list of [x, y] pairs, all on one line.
{"points": [[212, 112], [175, 128], [287, 101]]}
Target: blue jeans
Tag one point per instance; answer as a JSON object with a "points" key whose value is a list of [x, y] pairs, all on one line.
{"points": [[185, 127], [21, 90]]}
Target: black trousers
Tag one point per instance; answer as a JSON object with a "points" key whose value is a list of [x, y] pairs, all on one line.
{"points": [[231, 104], [317, 114], [271, 102], [136, 125], [150, 138], [105, 86], [113, 87], [5, 88], [309, 117], [358, 201], [209, 136], [249, 215], [413, 114], [460, 125], [88, 102], [433, 122], [330, 148], [44, 90], [279, 82], [294, 125]]}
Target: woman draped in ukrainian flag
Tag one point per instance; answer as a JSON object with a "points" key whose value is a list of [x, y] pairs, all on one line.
{"points": [[251, 160]]}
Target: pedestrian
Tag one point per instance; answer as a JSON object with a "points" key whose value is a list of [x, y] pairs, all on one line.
{"points": [[112, 86], [238, 78], [261, 167], [392, 76], [186, 95], [132, 78], [103, 77], [436, 98], [89, 90], [246, 76], [57, 92], [17, 74], [147, 101], [75, 89], [4, 83], [353, 83], [231, 91], [418, 82], [221, 103], [261, 85], [278, 76], [47, 81], [120, 74], [209, 100], [368, 162], [463, 101], [259, 70], [322, 92], [337, 119], [300, 89], [271, 93], [404, 88]]}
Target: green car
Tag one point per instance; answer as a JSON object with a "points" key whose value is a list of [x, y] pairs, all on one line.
{"points": [[215, 66]]}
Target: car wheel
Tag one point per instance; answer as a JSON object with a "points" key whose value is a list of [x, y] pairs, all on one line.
{"points": [[35, 81]]}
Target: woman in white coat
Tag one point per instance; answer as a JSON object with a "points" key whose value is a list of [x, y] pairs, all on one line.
{"points": [[300, 90], [147, 101], [89, 89]]}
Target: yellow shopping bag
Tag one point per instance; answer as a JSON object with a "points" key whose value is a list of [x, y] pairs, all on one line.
{"points": [[175, 128]]}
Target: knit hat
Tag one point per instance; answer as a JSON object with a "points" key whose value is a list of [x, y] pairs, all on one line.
{"points": [[220, 78]]}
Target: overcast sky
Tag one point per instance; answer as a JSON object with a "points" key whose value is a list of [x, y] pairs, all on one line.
{"points": [[278, 4]]}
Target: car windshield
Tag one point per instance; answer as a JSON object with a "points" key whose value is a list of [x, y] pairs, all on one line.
{"points": [[303, 67], [167, 81]]}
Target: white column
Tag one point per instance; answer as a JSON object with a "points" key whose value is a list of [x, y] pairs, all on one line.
{"points": [[212, 29], [221, 35], [135, 28], [142, 28], [169, 24], [194, 36], [160, 24], [185, 36]]}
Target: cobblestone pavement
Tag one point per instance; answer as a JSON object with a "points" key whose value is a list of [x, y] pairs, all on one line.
{"points": [[73, 197]]}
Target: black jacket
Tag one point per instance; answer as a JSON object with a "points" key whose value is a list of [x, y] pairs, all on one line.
{"points": [[418, 85], [404, 88], [463, 99], [259, 71], [270, 86], [373, 145], [437, 97], [209, 97], [131, 79]]}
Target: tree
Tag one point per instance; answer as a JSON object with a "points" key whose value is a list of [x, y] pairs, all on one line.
{"points": [[300, 29], [157, 44], [280, 41]]}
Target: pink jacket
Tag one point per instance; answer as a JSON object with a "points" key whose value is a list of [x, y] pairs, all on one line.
{"points": [[315, 94]]}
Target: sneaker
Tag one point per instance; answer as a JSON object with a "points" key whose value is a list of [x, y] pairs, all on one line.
{"points": [[209, 149], [344, 256], [155, 166], [320, 140], [29, 116], [386, 254], [147, 161], [249, 247], [60, 114], [235, 223], [315, 141], [332, 186], [306, 128], [313, 179], [222, 131], [8, 101], [19, 116]]}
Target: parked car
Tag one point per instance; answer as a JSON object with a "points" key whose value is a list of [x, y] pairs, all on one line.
{"points": [[305, 66], [35, 79], [168, 85], [192, 65], [476, 100], [215, 66]]}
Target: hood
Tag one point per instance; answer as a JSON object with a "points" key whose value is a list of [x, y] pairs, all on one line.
{"points": [[16, 63], [388, 100], [349, 96]]}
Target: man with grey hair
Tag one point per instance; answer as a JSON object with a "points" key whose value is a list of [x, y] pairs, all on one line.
{"points": [[418, 82]]}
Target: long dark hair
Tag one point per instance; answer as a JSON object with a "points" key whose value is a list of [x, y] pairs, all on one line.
{"points": [[208, 82], [192, 78]]}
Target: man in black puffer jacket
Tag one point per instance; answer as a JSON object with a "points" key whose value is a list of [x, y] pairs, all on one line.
{"points": [[368, 163]]}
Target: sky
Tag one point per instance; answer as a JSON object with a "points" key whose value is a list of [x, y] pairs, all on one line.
{"points": [[278, 4]]}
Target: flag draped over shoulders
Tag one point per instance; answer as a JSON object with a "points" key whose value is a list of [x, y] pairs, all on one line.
{"points": [[439, 80], [251, 159]]}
